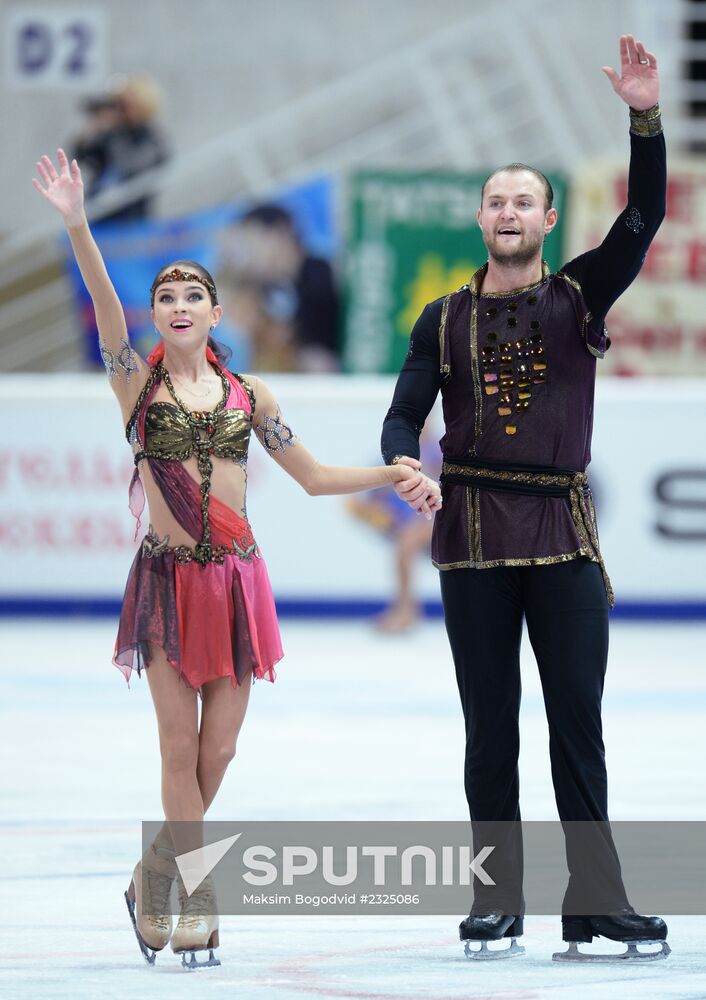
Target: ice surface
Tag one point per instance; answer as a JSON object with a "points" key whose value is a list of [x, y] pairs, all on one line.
{"points": [[356, 727]]}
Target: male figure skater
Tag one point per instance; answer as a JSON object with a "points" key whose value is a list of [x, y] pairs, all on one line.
{"points": [[514, 355]]}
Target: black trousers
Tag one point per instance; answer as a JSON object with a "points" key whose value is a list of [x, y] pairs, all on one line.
{"points": [[566, 610]]}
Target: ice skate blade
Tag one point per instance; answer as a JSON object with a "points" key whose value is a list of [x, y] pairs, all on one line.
{"points": [[194, 963], [486, 954], [631, 954], [148, 953]]}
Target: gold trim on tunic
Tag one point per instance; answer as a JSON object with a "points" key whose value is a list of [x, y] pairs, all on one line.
{"points": [[477, 534], [530, 561], [571, 281], [477, 280], [444, 368], [475, 370], [587, 318], [581, 514]]}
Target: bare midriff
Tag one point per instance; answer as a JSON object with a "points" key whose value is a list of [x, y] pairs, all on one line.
{"points": [[228, 484]]}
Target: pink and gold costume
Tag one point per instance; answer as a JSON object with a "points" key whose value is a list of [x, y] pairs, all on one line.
{"points": [[198, 586]]}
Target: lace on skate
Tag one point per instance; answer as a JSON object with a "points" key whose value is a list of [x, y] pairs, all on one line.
{"points": [[192, 919], [156, 890]]}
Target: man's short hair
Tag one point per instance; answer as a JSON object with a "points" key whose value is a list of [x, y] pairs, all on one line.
{"points": [[515, 168]]}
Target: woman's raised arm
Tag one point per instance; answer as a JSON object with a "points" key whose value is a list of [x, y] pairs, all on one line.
{"points": [[63, 189], [278, 439]]}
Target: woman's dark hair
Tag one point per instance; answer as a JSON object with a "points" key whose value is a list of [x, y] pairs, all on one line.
{"points": [[223, 353]]}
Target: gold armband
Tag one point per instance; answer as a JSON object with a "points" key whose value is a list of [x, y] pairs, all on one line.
{"points": [[646, 123]]}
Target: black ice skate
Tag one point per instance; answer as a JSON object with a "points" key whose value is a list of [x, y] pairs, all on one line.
{"points": [[491, 927], [626, 926]]}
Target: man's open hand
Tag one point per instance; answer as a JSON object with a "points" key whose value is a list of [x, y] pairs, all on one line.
{"points": [[638, 84]]}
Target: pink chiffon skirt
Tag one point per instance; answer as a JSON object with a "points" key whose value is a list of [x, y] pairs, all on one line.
{"points": [[214, 621]]}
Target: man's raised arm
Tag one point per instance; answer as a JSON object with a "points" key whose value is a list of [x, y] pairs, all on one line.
{"points": [[605, 272]]}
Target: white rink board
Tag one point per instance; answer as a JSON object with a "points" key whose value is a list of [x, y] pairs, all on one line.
{"points": [[66, 531]]}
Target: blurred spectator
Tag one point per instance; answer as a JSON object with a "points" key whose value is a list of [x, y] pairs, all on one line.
{"points": [[119, 141], [409, 533], [281, 298]]}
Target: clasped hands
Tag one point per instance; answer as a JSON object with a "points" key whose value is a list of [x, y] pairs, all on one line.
{"points": [[421, 493]]}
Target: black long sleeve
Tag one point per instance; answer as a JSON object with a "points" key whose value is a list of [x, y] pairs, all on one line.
{"points": [[606, 271], [417, 388]]}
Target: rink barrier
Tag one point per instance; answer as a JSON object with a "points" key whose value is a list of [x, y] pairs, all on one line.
{"points": [[109, 607], [67, 538]]}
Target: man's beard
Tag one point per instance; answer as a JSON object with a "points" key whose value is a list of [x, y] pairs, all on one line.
{"points": [[515, 258]]}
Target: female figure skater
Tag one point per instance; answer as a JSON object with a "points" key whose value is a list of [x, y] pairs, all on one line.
{"points": [[198, 609]]}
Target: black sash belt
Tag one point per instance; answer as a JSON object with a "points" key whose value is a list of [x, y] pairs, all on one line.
{"points": [[535, 481]]}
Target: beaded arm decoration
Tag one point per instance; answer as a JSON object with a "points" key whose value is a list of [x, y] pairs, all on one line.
{"points": [[176, 274], [108, 357], [274, 433], [126, 359]]}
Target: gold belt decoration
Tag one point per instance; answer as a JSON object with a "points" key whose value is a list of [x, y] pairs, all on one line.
{"points": [[573, 483], [153, 547]]}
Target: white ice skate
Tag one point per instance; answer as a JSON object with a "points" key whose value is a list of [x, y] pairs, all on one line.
{"points": [[197, 927], [147, 899]]}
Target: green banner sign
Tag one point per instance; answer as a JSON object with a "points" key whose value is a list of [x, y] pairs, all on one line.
{"points": [[411, 238]]}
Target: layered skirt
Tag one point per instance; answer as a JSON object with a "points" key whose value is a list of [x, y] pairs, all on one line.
{"points": [[212, 621]]}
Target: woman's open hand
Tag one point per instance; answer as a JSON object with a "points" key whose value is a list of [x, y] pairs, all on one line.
{"points": [[63, 188]]}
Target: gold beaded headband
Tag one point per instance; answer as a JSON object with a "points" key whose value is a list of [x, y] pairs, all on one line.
{"points": [[178, 275]]}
